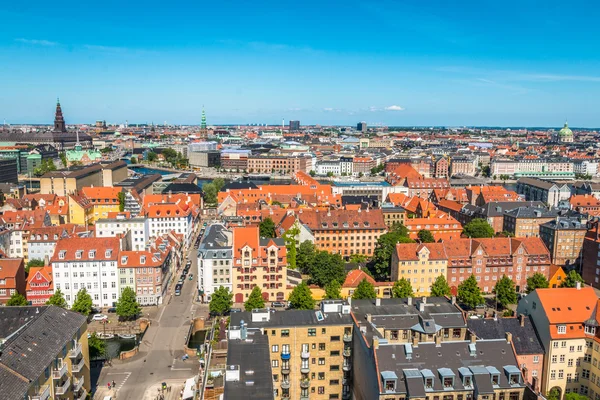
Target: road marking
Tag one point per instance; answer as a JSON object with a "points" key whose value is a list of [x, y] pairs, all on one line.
{"points": [[178, 369], [122, 381], [162, 312]]}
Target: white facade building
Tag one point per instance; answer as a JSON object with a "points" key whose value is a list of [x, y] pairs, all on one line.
{"points": [[586, 167], [215, 261], [139, 227]]}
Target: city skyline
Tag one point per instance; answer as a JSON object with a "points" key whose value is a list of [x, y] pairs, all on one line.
{"points": [[405, 64]]}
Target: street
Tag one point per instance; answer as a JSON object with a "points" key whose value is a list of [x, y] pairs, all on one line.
{"points": [[161, 350]]}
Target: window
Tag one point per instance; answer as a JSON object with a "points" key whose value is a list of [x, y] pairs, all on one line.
{"points": [[285, 333], [275, 363], [321, 361], [312, 332], [321, 346], [335, 338], [562, 329], [275, 348]]}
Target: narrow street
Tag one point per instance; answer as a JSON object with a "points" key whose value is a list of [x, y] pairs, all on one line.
{"points": [[161, 350]]}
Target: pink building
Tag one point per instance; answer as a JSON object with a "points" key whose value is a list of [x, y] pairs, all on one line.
{"points": [[147, 273]]}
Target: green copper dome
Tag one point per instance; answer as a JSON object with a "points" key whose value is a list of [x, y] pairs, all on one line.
{"points": [[565, 131]]}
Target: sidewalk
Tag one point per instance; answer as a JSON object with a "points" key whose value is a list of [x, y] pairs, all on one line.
{"points": [[154, 391]]}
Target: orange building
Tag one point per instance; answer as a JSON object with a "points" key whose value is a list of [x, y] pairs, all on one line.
{"points": [[442, 228], [40, 285]]}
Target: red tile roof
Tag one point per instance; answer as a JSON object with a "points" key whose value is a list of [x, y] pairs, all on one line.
{"points": [[71, 247]]}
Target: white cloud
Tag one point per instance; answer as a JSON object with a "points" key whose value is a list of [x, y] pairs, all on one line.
{"points": [[294, 109], [394, 108], [37, 42], [373, 109]]}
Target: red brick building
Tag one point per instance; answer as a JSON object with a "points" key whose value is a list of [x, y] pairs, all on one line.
{"points": [[12, 278], [39, 285]]}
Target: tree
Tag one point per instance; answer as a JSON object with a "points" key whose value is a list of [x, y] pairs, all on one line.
{"points": [[170, 156], [382, 255], [290, 237], [221, 301], [505, 291], [478, 228], [255, 300], [402, 288], [537, 281], [33, 263], [575, 396], [312, 173], [425, 236], [121, 198], [46, 166], [469, 293], [106, 150], [571, 279], [57, 299], [82, 303], [267, 228], [505, 234], [329, 174], [63, 159], [301, 298], [485, 171], [96, 346], [210, 193], [365, 290], [304, 256], [127, 306], [327, 267], [152, 156], [358, 258], [360, 175], [219, 183], [333, 290], [440, 287], [17, 299], [133, 160], [553, 394]]}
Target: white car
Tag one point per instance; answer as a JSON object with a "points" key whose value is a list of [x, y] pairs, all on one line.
{"points": [[99, 317]]}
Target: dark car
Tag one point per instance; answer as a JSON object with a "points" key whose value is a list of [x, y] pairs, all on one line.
{"points": [[178, 286], [279, 304], [112, 310]]}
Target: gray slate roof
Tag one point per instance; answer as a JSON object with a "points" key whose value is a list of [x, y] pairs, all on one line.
{"points": [[525, 339]]}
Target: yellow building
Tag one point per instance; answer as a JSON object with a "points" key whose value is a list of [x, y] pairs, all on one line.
{"points": [[66, 182], [48, 358], [353, 279], [421, 264], [81, 211], [309, 351]]}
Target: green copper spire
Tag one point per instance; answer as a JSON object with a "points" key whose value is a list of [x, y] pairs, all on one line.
{"points": [[203, 124]]}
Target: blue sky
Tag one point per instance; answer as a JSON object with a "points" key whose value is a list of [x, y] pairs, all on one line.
{"points": [[480, 62]]}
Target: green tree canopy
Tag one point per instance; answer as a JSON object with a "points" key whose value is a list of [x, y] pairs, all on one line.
{"points": [[267, 228], [219, 183], [553, 394], [505, 291], [301, 298], [382, 255], [210, 193], [333, 290], [33, 263], [365, 290], [305, 256], [255, 300], [358, 258], [440, 287], [290, 237], [17, 299], [82, 303], [537, 281], [571, 280], [47, 165], [478, 228], [402, 288], [327, 267], [127, 306], [152, 156], [469, 293], [575, 396], [221, 301], [312, 173], [133, 160], [425, 236], [121, 197], [96, 346], [57, 299]]}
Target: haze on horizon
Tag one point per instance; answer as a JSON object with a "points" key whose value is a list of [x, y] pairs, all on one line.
{"points": [[410, 63]]}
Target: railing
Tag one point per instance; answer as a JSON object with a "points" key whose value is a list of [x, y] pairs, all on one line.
{"points": [[79, 366], [43, 393], [285, 356], [77, 384], [82, 396], [59, 372], [285, 369], [285, 384], [304, 383], [64, 388], [305, 354], [75, 351], [347, 352], [347, 366], [347, 337], [305, 369]]}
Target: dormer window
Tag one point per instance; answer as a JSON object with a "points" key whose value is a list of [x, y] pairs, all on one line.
{"points": [[495, 379], [142, 259], [513, 379], [448, 382], [428, 383], [78, 254], [124, 260], [590, 330], [108, 253], [92, 254], [513, 374], [390, 386], [467, 381], [447, 377], [61, 254], [562, 329]]}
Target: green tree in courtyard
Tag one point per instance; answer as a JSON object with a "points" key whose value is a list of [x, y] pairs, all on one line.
{"points": [[478, 228], [267, 228], [17, 299], [365, 290], [402, 288], [505, 291], [572, 279], [33, 263], [327, 267], [333, 290], [305, 256], [82, 303], [255, 300], [96, 346], [537, 281], [221, 301], [121, 198], [57, 299], [425, 236], [469, 293], [440, 287], [127, 306], [301, 298]]}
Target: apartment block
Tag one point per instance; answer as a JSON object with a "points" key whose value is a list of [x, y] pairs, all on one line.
{"points": [[215, 261], [12, 278], [525, 221], [564, 238], [547, 192], [119, 223], [420, 264]]}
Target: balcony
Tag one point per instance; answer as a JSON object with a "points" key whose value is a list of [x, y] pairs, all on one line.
{"points": [[285, 356], [305, 369], [304, 383], [347, 395], [347, 367], [77, 384], [285, 369], [64, 388], [285, 384], [75, 351], [347, 352], [43, 393], [285, 397], [60, 371], [303, 397], [347, 338], [77, 366], [81, 396], [305, 355]]}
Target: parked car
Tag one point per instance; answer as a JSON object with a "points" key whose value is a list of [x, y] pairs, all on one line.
{"points": [[177, 292], [279, 304], [235, 310], [191, 277], [112, 310], [99, 317]]}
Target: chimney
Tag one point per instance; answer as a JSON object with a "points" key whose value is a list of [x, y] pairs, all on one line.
{"points": [[422, 307], [508, 337], [453, 300], [521, 319], [473, 338], [378, 301], [369, 317], [409, 301], [350, 301], [438, 341], [415, 341], [424, 299], [375, 343], [578, 286]]}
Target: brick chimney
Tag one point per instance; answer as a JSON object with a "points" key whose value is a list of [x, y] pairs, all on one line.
{"points": [[522, 319]]}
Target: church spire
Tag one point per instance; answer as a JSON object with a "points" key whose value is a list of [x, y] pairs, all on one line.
{"points": [[59, 121], [203, 123]]}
